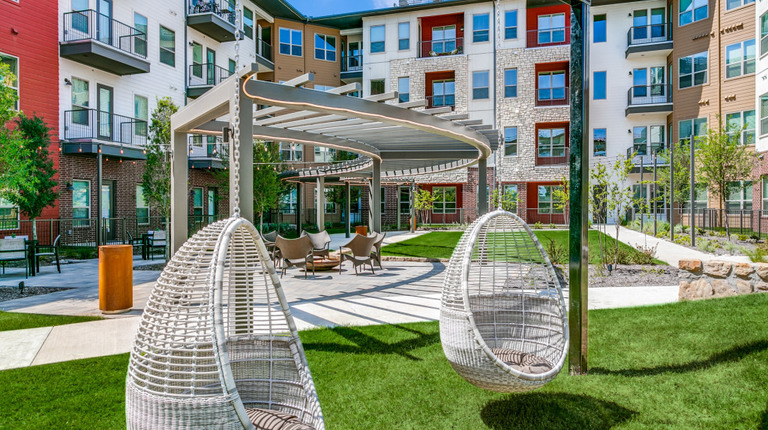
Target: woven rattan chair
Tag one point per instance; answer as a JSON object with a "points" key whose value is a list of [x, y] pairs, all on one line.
{"points": [[269, 241], [360, 247], [376, 252], [217, 346], [321, 243], [503, 321], [295, 252]]}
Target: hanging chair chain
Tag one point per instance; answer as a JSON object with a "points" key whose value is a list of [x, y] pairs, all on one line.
{"points": [[501, 146], [236, 119]]}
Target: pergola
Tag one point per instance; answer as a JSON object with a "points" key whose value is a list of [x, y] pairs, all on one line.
{"points": [[393, 139]]}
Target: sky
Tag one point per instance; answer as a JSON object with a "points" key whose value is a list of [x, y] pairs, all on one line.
{"points": [[333, 7]]}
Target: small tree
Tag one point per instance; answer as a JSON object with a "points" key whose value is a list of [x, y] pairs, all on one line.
{"points": [[618, 196], [268, 189], [510, 200], [722, 162], [599, 180], [336, 194], [156, 179], [560, 196], [424, 203]]}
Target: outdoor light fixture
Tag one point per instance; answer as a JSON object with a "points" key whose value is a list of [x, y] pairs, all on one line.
{"points": [[67, 82], [69, 186]]}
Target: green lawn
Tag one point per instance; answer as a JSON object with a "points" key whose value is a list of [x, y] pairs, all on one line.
{"points": [[440, 244], [680, 366], [18, 321]]}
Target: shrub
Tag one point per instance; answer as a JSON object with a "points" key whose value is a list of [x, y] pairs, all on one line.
{"points": [[756, 256], [742, 237], [683, 240], [706, 245], [731, 248], [552, 226], [557, 253], [646, 256], [538, 225]]}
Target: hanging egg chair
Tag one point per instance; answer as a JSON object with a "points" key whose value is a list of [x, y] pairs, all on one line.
{"points": [[217, 346], [503, 321]]}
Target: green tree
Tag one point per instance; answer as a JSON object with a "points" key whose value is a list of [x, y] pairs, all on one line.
{"points": [[156, 179], [618, 196], [599, 181], [268, 189], [510, 200], [336, 194], [424, 203], [681, 162], [560, 196]]}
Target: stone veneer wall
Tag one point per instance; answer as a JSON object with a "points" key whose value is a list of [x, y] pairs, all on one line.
{"points": [[717, 278]]}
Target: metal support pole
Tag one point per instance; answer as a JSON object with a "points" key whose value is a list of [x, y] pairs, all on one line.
{"points": [[693, 197], [655, 192], [299, 209], [482, 187], [99, 203], [179, 196], [579, 184], [347, 206], [376, 196], [412, 201], [320, 203], [671, 192], [246, 158]]}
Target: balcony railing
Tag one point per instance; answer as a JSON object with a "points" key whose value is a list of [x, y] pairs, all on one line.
{"points": [[644, 153], [352, 63], [548, 37], [649, 94], [651, 33], [552, 157], [201, 75], [90, 124], [205, 146], [221, 8], [552, 96], [440, 101], [264, 49], [91, 25], [441, 47]]}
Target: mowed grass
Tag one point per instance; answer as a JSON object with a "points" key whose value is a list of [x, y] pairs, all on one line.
{"points": [[679, 366], [440, 244], [18, 321]]}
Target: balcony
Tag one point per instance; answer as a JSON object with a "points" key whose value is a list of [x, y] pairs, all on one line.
{"points": [[647, 99], [214, 18], [98, 41], [552, 157], [352, 68], [643, 154], [653, 39], [549, 97], [543, 38], [441, 47], [205, 152], [203, 77], [87, 130], [264, 54], [441, 101]]}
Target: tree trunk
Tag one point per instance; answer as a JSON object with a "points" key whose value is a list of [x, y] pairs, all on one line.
{"points": [[34, 228]]}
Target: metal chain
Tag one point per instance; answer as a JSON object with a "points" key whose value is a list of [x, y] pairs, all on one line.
{"points": [[236, 119], [500, 148]]}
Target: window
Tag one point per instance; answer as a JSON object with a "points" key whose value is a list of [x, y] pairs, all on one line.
{"points": [[140, 43], [692, 128], [693, 70], [211, 204], [197, 60], [288, 204], [443, 93], [510, 83], [547, 203], [740, 59], [248, 23], [764, 33], [551, 142], [445, 202], [80, 20], [197, 203], [377, 38], [764, 114], [167, 47], [13, 81], [765, 194], [692, 11], [405, 200], [480, 26], [404, 35], [325, 47], [290, 42], [739, 196], [330, 207], [9, 215], [232, 67], [444, 40], [510, 24], [319, 87], [640, 139], [81, 203], [551, 28], [733, 4], [291, 151], [600, 84], [382, 200], [142, 206], [80, 97], [404, 89], [480, 85], [742, 126], [141, 112], [511, 196], [701, 198], [598, 142], [599, 31], [510, 141], [551, 86], [324, 155], [377, 86]]}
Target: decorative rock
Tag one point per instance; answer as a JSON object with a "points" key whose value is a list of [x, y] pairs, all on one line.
{"points": [[743, 287], [761, 287], [686, 292], [689, 265], [717, 268], [722, 288], [702, 289], [743, 269], [762, 270]]}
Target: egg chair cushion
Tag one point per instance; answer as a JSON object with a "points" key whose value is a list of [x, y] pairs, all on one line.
{"points": [[266, 419], [521, 361]]}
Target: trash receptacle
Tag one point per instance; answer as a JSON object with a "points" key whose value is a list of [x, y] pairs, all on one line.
{"points": [[361, 230], [115, 278]]}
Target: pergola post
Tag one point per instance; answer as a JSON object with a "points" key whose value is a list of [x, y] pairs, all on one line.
{"points": [[320, 203], [246, 158], [179, 178], [347, 205], [375, 208], [482, 187], [299, 217], [412, 197]]}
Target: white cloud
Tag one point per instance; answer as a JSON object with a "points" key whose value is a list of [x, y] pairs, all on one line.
{"points": [[379, 4]]}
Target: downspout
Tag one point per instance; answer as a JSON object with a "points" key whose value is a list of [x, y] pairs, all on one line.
{"points": [[186, 53]]}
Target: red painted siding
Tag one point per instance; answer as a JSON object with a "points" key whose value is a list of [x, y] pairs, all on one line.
{"points": [[532, 200], [428, 22], [29, 31], [448, 217]]}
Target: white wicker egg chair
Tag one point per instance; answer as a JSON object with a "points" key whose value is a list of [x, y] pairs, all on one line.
{"points": [[217, 341], [503, 322]]}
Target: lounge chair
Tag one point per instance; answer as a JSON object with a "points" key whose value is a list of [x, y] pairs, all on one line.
{"points": [[48, 251], [295, 252], [14, 249], [360, 247], [269, 241], [376, 252], [156, 241], [321, 243]]}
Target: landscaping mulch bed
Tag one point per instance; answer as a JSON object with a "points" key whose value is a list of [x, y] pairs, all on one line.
{"points": [[633, 276], [156, 266], [12, 293]]}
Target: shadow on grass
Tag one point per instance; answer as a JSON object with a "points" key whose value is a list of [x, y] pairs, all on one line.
{"points": [[369, 345], [764, 421], [730, 355], [553, 411]]}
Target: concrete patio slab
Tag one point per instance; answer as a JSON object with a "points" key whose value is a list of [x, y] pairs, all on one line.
{"points": [[19, 347], [89, 339]]}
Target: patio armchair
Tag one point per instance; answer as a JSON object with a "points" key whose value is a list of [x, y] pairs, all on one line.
{"points": [[156, 241], [321, 242], [360, 248], [269, 242], [14, 249], [376, 252], [48, 251], [295, 252]]}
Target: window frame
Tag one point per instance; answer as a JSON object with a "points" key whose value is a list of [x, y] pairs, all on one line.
{"points": [[741, 4], [745, 133], [508, 87], [246, 27], [404, 96], [293, 48], [764, 196], [763, 34], [17, 79], [550, 204], [82, 118], [595, 152], [141, 129], [604, 33], [202, 203], [604, 94], [400, 39], [508, 29], [165, 50], [481, 92], [440, 200], [551, 144], [763, 114], [5, 223], [743, 63], [550, 30], [288, 203], [80, 222], [325, 50], [693, 71], [377, 46], [139, 38], [483, 34], [141, 204], [513, 188], [295, 151], [406, 202], [444, 95], [743, 201], [383, 86], [695, 124], [692, 12], [511, 141], [551, 88], [323, 154]]}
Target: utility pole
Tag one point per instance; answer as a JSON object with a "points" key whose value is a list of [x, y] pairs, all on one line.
{"points": [[671, 192], [655, 192], [693, 198]]}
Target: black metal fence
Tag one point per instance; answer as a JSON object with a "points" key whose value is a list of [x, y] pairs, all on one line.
{"points": [[746, 222], [222, 8], [88, 124], [91, 25]]}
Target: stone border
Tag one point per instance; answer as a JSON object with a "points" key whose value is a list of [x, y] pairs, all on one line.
{"points": [[717, 278]]}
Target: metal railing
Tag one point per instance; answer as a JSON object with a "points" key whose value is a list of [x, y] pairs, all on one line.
{"points": [[202, 146], [264, 49], [352, 63], [91, 25], [87, 124], [440, 101], [552, 96], [222, 8], [747, 222], [644, 153], [651, 33], [206, 74], [441, 47], [548, 37], [649, 94], [556, 157]]}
